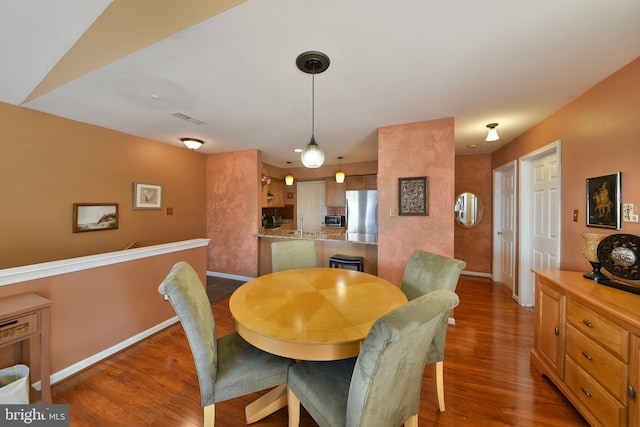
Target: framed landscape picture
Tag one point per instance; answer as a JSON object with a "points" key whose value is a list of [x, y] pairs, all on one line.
{"points": [[603, 201], [412, 196], [94, 217]]}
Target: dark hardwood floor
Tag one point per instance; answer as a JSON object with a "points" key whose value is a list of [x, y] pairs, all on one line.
{"points": [[488, 379]]}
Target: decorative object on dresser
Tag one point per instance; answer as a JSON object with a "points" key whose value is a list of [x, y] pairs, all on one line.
{"points": [[603, 201], [590, 253], [619, 254]]}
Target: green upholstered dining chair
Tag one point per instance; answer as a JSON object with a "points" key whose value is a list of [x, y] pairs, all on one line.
{"points": [[227, 367], [381, 387], [289, 254], [426, 272]]}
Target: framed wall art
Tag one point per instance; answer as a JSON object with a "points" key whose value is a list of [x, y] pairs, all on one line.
{"points": [[147, 196], [412, 196], [603, 201], [94, 217]]}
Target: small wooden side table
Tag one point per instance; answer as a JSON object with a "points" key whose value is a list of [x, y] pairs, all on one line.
{"points": [[26, 317]]}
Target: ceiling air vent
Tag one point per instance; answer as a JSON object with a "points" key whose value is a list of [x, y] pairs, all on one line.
{"points": [[190, 119]]}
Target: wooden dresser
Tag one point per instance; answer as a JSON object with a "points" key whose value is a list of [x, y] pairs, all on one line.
{"points": [[587, 342]]}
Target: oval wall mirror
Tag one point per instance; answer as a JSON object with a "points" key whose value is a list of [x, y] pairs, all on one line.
{"points": [[468, 210]]}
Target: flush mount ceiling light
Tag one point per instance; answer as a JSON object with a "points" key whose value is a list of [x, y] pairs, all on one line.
{"points": [[493, 133], [340, 175], [313, 63], [192, 143], [289, 178]]}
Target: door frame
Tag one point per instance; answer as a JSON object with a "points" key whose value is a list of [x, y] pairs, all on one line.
{"points": [[497, 215], [526, 280]]}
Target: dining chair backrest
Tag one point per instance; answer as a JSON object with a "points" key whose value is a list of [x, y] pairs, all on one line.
{"points": [[290, 254], [187, 295], [387, 378]]}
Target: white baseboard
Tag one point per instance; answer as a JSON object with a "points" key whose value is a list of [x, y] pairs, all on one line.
{"points": [[229, 276], [476, 274], [77, 367]]}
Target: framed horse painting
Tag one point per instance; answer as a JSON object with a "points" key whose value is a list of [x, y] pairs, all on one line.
{"points": [[603, 201]]}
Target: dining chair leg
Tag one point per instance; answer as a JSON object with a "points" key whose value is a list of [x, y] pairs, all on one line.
{"points": [[412, 421], [438, 383], [293, 404], [210, 415]]}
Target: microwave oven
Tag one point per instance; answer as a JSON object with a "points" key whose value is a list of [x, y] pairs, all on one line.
{"points": [[334, 221]]}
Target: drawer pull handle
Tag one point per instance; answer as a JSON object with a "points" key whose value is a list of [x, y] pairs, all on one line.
{"points": [[585, 391], [557, 331], [587, 355], [12, 322], [631, 392], [588, 324]]}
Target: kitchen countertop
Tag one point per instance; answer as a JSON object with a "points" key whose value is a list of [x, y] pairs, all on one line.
{"points": [[367, 239]]}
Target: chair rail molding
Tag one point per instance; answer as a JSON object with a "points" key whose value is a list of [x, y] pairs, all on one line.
{"points": [[9, 276]]}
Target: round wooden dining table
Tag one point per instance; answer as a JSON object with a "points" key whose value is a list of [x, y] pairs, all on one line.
{"points": [[312, 313]]}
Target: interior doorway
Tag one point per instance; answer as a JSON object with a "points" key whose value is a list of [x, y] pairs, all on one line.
{"points": [[539, 216]]}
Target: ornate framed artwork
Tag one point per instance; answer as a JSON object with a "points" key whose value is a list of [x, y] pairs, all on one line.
{"points": [[147, 196], [94, 217], [603, 201], [412, 196]]}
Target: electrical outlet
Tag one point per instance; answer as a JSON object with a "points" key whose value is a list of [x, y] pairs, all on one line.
{"points": [[628, 213], [169, 211]]}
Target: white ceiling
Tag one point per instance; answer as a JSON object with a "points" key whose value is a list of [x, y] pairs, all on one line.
{"points": [[505, 61]]}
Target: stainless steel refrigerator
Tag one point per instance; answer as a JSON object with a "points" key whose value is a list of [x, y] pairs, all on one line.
{"points": [[362, 216]]}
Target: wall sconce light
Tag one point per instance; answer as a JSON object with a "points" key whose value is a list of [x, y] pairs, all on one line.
{"points": [[289, 178], [192, 143], [492, 135], [340, 175]]}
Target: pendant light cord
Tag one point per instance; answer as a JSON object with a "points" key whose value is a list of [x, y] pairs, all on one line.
{"points": [[313, 99]]}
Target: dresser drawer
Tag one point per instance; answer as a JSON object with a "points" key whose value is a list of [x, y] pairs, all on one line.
{"points": [[603, 366], [597, 327], [596, 399]]}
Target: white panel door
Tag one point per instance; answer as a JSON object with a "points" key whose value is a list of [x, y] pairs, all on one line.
{"points": [[540, 174], [544, 241], [504, 224], [311, 205]]}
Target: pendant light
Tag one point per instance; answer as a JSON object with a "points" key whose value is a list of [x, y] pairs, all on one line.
{"points": [[313, 63], [289, 178], [492, 135], [340, 175]]}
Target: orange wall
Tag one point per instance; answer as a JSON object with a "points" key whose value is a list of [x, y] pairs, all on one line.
{"points": [[415, 149], [600, 134], [47, 163], [473, 245], [95, 309], [233, 212]]}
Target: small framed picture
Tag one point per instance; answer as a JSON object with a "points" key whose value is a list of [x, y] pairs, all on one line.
{"points": [[147, 196], [603, 201], [94, 217], [412, 196]]}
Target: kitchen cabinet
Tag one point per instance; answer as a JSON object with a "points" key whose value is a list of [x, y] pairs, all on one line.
{"points": [[335, 193], [593, 356], [276, 191], [362, 182]]}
